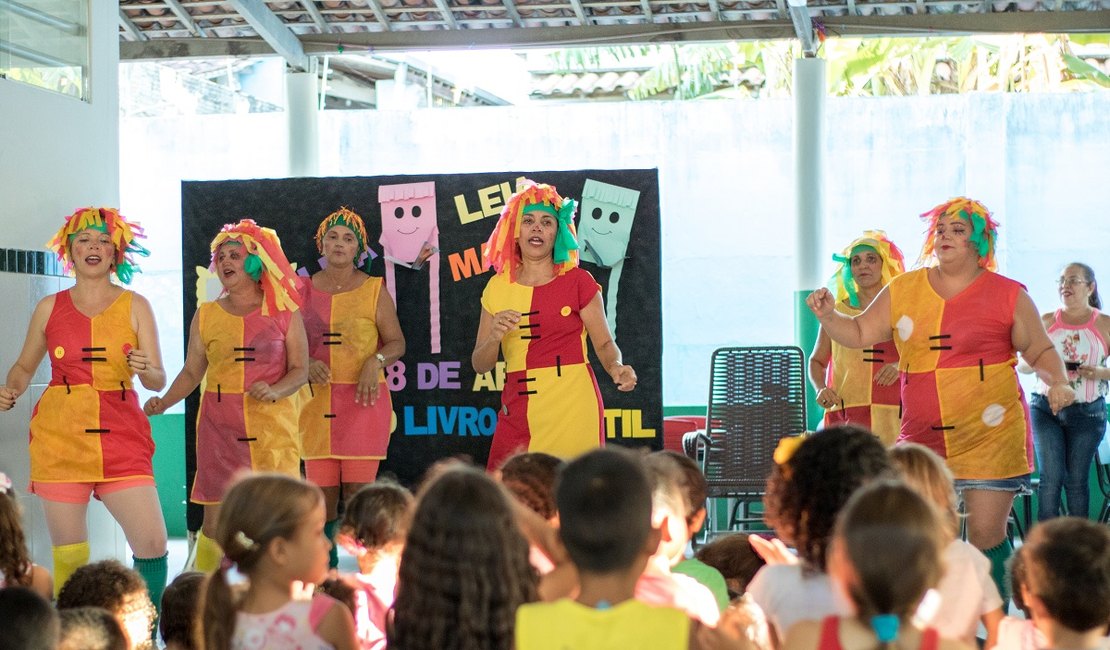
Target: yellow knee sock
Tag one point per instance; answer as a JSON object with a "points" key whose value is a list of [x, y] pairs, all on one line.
{"points": [[209, 554], [67, 559]]}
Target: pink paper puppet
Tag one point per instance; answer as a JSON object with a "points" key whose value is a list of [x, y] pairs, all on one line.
{"points": [[410, 238], [604, 228]]}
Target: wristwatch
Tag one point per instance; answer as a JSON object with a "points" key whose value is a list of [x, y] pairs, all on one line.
{"points": [[381, 358]]}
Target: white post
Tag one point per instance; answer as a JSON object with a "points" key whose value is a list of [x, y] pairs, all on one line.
{"points": [[809, 167], [302, 120]]}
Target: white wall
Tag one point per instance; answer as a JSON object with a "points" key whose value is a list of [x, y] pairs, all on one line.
{"points": [[56, 154]]}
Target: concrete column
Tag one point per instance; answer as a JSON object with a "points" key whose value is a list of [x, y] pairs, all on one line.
{"points": [[302, 120], [809, 192]]}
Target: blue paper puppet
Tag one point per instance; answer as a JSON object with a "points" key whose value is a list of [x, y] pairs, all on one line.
{"points": [[604, 227]]}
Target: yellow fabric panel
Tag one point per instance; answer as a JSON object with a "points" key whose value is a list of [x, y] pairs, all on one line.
{"points": [[65, 457], [915, 315], [559, 400], [988, 440], [885, 423], [500, 294], [222, 333], [315, 429], [274, 424], [353, 313], [111, 330], [630, 624]]}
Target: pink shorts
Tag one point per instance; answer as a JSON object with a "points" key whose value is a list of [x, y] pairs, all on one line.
{"points": [[327, 472], [80, 492]]}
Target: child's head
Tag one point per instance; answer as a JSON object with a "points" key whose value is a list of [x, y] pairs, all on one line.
{"points": [[1067, 573], [604, 500], [90, 628], [886, 553], [923, 470], [14, 559], [692, 482], [30, 623], [179, 610], [376, 517], [464, 570], [530, 477], [669, 504], [268, 522], [116, 588], [807, 490], [735, 558]]}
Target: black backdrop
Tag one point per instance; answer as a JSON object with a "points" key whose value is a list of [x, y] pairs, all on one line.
{"points": [[443, 420]]}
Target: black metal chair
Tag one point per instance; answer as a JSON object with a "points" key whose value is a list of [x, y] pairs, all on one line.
{"points": [[757, 396]]}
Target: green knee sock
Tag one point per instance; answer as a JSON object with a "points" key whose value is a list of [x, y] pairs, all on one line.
{"points": [[154, 571], [329, 531], [998, 557]]}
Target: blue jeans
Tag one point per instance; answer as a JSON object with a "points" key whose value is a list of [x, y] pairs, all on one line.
{"points": [[1066, 443]]}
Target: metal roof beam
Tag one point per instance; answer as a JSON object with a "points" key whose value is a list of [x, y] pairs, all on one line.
{"points": [[317, 17], [1055, 22], [445, 9], [379, 13], [579, 11], [273, 30], [513, 13], [134, 32], [185, 18]]}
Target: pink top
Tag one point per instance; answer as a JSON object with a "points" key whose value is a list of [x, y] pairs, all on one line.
{"points": [[290, 627], [1083, 343], [678, 591], [373, 598]]}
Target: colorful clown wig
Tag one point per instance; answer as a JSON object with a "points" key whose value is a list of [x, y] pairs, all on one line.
{"points": [[265, 262], [984, 230], [344, 216], [106, 220], [501, 250], [872, 240]]}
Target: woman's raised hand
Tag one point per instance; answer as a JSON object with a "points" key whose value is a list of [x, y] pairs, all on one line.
{"points": [[821, 302], [7, 398], [504, 322]]}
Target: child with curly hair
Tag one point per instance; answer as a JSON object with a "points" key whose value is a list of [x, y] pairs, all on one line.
{"points": [[16, 568], [373, 530], [271, 528], [464, 570], [966, 594], [884, 555], [805, 492], [90, 628], [110, 585]]}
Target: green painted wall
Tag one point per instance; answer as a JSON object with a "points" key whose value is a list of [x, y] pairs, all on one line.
{"points": [[169, 469]]}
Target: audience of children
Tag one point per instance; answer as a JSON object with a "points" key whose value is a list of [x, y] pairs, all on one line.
{"points": [[464, 569], [884, 555], [16, 568], [659, 585], [1066, 582], [179, 611], [27, 619], [90, 628], [120, 590], [966, 594], [373, 530], [804, 494], [878, 562], [271, 528]]}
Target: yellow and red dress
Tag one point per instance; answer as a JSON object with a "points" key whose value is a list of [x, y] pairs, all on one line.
{"points": [[342, 332], [960, 393], [88, 426], [236, 431], [550, 401], [851, 373]]}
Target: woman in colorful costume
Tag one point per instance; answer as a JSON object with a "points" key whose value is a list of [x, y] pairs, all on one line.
{"points": [[1066, 442], [537, 309], [249, 347], [353, 335], [88, 434], [957, 326], [860, 386]]}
